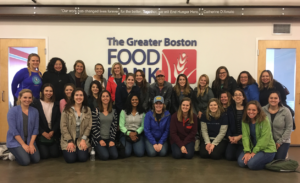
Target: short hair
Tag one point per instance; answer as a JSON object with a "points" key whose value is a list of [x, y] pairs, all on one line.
{"points": [[42, 92], [50, 66], [99, 86], [121, 69], [251, 80], [190, 112], [261, 115], [21, 94], [219, 111]]}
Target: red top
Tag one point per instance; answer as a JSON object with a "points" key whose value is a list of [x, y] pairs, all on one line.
{"points": [[112, 85], [183, 132]]}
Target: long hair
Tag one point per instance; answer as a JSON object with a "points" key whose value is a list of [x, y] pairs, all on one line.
{"points": [[271, 83], [279, 96], [98, 86], [127, 76], [50, 66], [217, 81], [251, 80], [162, 113], [140, 109], [72, 101], [219, 111], [121, 69], [28, 65], [144, 82], [83, 75], [190, 112], [261, 115], [228, 96], [186, 90], [100, 105], [101, 77], [244, 95], [199, 91], [21, 94], [42, 92], [66, 85]]}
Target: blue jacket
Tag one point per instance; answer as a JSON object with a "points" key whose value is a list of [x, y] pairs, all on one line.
{"points": [[252, 92], [157, 133], [15, 123]]}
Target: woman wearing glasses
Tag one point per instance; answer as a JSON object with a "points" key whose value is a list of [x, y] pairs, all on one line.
{"points": [[223, 82]]}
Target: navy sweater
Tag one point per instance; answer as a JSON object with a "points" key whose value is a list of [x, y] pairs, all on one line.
{"points": [[214, 125]]}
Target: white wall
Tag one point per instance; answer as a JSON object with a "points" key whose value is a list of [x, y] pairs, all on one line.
{"points": [[228, 43]]}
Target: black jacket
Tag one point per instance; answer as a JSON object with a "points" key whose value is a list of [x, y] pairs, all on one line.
{"points": [[58, 80], [122, 94], [175, 100], [91, 100], [230, 88], [264, 94], [55, 118]]}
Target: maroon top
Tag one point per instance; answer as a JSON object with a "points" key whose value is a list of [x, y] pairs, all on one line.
{"points": [[182, 133]]}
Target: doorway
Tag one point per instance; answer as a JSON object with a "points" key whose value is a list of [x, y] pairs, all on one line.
{"points": [[13, 57], [282, 58]]}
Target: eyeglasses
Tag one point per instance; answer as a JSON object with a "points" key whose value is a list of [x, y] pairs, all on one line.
{"points": [[222, 73]]}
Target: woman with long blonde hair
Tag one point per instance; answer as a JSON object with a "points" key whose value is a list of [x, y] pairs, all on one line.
{"points": [[117, 78]]}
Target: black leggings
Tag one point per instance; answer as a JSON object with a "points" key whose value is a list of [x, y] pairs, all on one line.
{"points": [[49, 151], [217, 153]]}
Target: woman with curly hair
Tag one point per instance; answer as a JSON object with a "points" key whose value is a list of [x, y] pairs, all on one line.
{"points": [[56, 75]]}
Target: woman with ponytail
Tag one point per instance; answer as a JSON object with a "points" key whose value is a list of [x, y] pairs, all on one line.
{"points": [[28, 78]]}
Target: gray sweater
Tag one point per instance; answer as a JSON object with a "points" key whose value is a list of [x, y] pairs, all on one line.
{"points": [[200, 102], [165, 92], [282, 124], [144, 96]]}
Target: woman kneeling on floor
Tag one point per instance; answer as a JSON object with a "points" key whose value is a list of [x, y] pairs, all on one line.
{"points": [[259, 146], [131, 124], [214, 125], [183, 129], [157, 127], [75, 126]]}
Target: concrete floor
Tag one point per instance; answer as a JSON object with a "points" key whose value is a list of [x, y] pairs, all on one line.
{"points": [[133, 169]]}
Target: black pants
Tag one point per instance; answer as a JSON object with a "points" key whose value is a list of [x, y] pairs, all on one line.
{"points": [[78, 155], [49, 151], [217, 153]]}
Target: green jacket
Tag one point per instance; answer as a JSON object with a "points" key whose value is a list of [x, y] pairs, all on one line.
{"points": [[264, 138]]}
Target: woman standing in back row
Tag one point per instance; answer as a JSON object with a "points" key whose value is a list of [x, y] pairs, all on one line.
{"points": [[223, 82], [115, 80]]}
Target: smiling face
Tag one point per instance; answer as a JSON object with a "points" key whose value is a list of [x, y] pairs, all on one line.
{"points": [[224, 99], [222, 74], [99, 70], [48, 92], [34, 62], [138, 77], [213, 107], [238, 97], [117, 69], [160, 79], [26, 99], [158, 106], [274, 100], [58, 66], [202, 81], [265, 78], [185, 106], [79, 68], [182, 81], [130, 81], [68, 91], [105, 98], [252, 111], [244, 79], [95, 89], [78, 97], [134, 101]]}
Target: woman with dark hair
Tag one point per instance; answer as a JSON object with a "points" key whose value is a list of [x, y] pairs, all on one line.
{"points": [[183, 129], [75, 126], [118, 76], [105, 123], [124, 90], [49, 121], [267, 84], [180, 90], [248, 84], [28, 78], [223, 82], [56, 74], [235, 114], [23, 123], [281, 123], [258, 143], [79, 77], [225, 99], [68, 89], [99, 70], [95, 90], [214, 125], [157, 127], [144, 86], [131, 124]]}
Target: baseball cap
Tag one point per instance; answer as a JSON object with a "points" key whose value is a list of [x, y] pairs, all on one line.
{"points": [[159, 72], [158, 99]]}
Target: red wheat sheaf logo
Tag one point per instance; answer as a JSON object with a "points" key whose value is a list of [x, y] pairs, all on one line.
{"points": [[175, 62]]}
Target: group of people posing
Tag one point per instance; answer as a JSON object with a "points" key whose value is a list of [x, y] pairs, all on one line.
{"points": [[73, 112]]}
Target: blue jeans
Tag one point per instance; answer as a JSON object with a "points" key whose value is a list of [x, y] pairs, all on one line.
{"points": [[150, 149], [138, 147], [72, 157], [282, 151], [106, 152], [233, 151], [177, 154], [258, 162], [23, 158]]}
